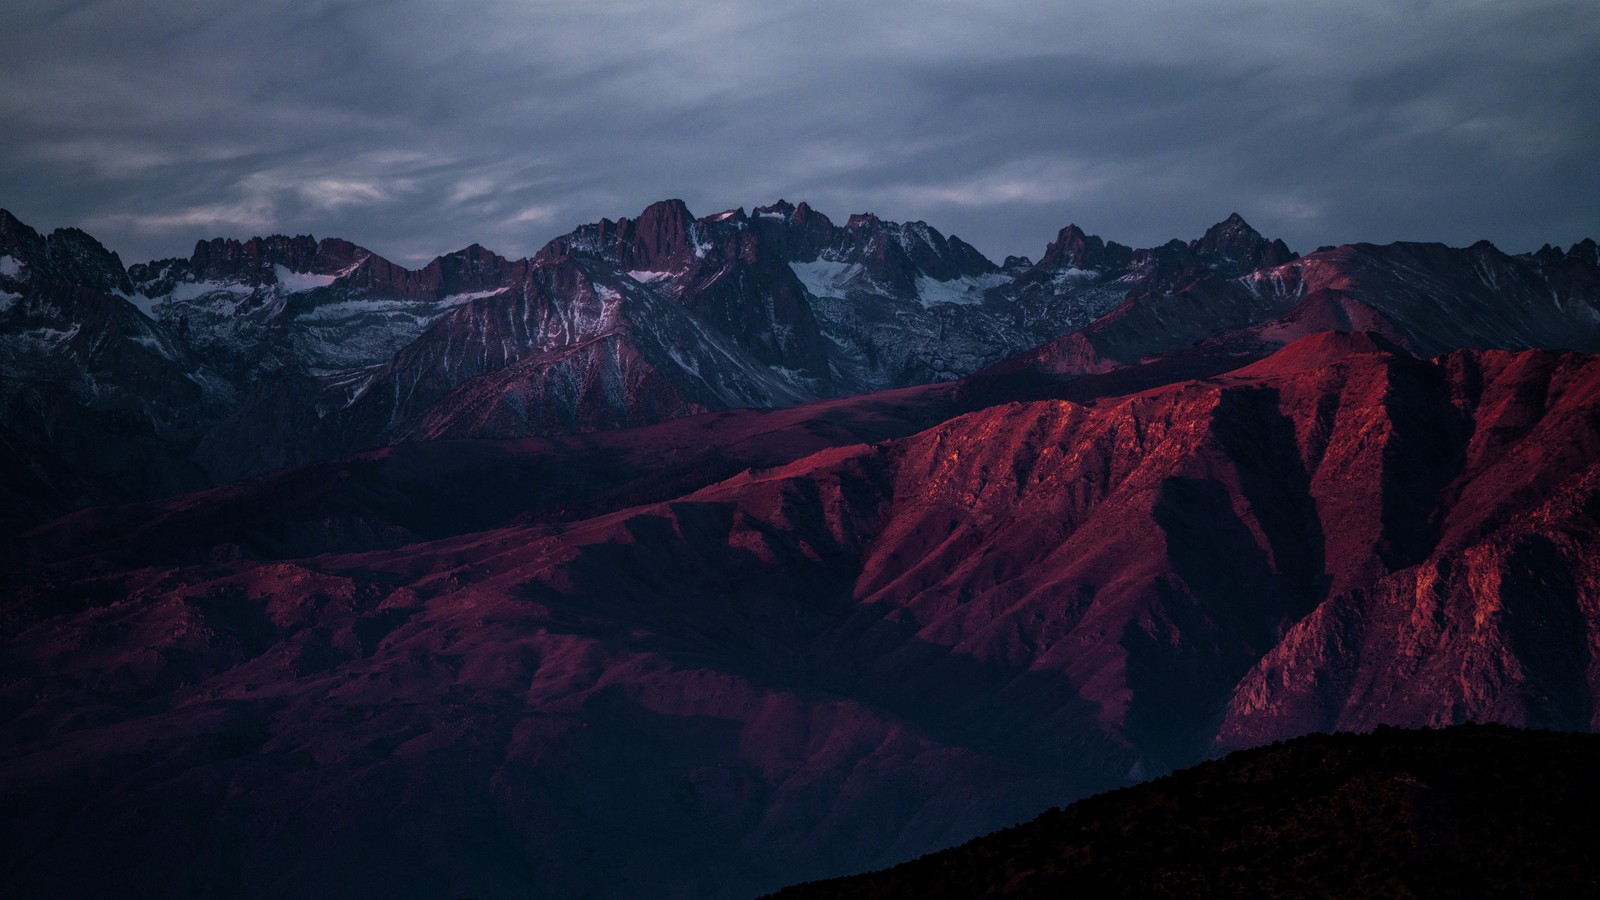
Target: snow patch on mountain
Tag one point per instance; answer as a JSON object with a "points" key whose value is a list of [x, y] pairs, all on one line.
{"points": [[1072, 273], [297, 282], [458, 299], [795, 377], [420, 310], [10, 267], [47, 336], [826, 278], [157, 344], [186, 291], [957, 290], [146, 305], [644, 276], [685, 362]]}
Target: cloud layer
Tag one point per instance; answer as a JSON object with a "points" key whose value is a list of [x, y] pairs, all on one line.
{"points": [[418, 127]]}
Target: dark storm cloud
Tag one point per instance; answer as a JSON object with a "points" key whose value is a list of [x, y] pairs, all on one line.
{"points": [[418, 127]]}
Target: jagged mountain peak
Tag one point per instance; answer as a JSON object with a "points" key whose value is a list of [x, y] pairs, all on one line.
{"points": [[17, 239], [472, 268], [780, 208], [76, 256], [252, 261], [662, 238], [1073, 248], [21, 249], [66, 255], [1234, 239], [473, 255], [1234, 221], [1547, 255], [669, 212], [1232, 231], [801, 213]]}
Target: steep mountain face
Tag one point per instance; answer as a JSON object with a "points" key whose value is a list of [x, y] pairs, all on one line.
{"points": [[1465, 811], [837, 662], [719, 271], [297, 305], [567, 350], [94, 398], [865, 306], [903, 304], [1498, 621]]}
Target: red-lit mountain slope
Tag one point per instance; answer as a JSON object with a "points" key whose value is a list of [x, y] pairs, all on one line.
{"points": [[839, 662]]}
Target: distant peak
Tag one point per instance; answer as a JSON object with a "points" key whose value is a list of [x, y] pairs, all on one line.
{"points": [[1234, 226], [673, 208], [332, 244], [1073, 248], [1233, 238], [782, 208], [15, 235]]}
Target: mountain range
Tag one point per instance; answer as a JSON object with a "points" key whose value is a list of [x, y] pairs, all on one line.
{"points": [[251, 356], [700, 556]]}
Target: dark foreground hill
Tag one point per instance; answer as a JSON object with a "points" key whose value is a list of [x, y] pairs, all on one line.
{"points": [[1468, 811]]}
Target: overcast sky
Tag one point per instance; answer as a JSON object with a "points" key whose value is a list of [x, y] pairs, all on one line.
{"points": [[416, 127]]}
